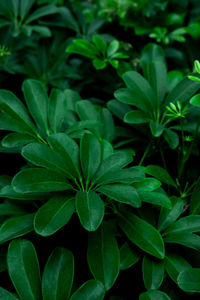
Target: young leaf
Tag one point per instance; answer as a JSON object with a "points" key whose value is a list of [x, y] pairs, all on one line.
{"points": [[58, 275], [189, 280], [128, 256], [103, 255], [174, 264], [112, 48], [90, 155], [15, 227], [90, 290], [40, 180], [90, 209], [142, 234], [100, 43], [153, 273], [37, 102], [121, 193], [23, 269], [53, 215]]}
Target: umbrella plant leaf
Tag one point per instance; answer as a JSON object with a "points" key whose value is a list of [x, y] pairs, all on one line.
{"points": [[189, 280], [153, 273], [128, 256], [90, 290]]}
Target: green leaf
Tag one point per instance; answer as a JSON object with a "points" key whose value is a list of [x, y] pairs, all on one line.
{"points": [[10, 193], [6, 295], [195, 100], [118, 109], [25, 7], [136, 117], [112, 48], [189, 280], [189, 224], [169, 216], [99, 64], [53, 215], [153, 273], [154, 295], [56, 110], [128, 256], [136, 82], [183, 91], [23, 269], [155, 198], [156, 128], [37, 101], [90, 290], [189, 240], [113, 163], [43, 11], [171, 138], [16, 140], [15, 116], [39, 180], [142, 234], [4, 180], [147, 185], [58, 275], [90, 155], [15, 227], [103, 255], [174, 264], [194, 201], [108, 125], [42, 155], [90, 209], [9, 208], [121, 193], [100, 43], [87, 111], [68, 149], [159, 173]]}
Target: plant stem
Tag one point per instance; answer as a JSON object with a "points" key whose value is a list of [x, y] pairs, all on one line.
{"points": [[145, 153]]}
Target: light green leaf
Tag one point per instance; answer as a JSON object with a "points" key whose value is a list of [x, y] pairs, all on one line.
{"points": [[90, 209], [195, 100], [112, 48], [99, 64], [23, 269], [103, 255], [100, 43], [58, 275], [54, 214]]}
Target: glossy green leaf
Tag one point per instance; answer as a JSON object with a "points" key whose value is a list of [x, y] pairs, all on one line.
{"points": [[154, 295], [159, 173], [106, 149], [100, 43], [121, 193], [86, 110], [156, 128], [99, 64], [37, 102], [23, 269], [147, 184], [112, 48], [103, 255], [108, 125], [189, 224], [90, 290], [155, 198], [130, 97], [6, 295], [142, 234], [42, 155], [39, 180], [171, 138], [113, 163], [56, 110], [58, 275], [128, 256], [53, 215], [153, 273], [15, 115], [10, 193], [15, 227], [189, 240], [195, 100], [136, 117], [169, 216], [90, 155], [17, 140], [174, 264], [90, 209], [68, 149], [189, 280]]}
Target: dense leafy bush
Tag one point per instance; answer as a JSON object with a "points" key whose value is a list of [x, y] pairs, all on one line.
{"points": [[99, 119]]}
